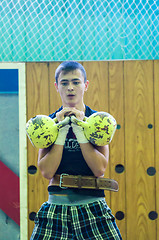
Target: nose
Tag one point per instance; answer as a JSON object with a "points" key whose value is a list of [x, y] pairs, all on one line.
{"points": [[70, 86]]}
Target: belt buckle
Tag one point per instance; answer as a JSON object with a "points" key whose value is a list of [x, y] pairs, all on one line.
{"points": [[61, 176]]}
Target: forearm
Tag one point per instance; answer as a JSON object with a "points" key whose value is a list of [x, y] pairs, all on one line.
{"points": [[96, 160], [49, 162], [49, 159], [95, 156]]}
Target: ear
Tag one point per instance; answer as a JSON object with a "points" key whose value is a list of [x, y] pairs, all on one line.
{"points": [[86, 85], [56, 86]]}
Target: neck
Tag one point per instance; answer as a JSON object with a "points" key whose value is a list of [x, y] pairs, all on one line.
{"points": [[80, 107]]}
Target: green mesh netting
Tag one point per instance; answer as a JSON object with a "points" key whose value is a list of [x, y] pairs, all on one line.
{"points": [[49, 30]]}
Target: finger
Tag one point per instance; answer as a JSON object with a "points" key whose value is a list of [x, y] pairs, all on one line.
{"points": [[62, 114], [69, 114]]}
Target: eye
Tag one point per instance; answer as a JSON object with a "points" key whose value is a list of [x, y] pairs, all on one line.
{"points": [[76, 82], [64, 83]]}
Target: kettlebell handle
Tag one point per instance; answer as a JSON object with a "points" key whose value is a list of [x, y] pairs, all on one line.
{"points": [[62, 123], [79, 122]]}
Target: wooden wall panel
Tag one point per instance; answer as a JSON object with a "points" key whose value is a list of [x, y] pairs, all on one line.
{"points": [[156, 98], [126, 90], [139, 149], [55, 100], [117, 154], [97, 95], [37, 103], [37, 89]]}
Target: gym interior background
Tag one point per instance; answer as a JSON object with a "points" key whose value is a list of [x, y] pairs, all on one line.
{"points": [[117, 43]]}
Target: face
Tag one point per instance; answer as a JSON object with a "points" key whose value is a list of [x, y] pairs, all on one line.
{"points": [[71, 87]]}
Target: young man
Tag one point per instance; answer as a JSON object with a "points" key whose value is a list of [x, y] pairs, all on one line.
{"points": [[78, 211]]}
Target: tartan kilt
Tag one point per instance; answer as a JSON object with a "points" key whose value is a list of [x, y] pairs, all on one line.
{"points": [[89, 221]]}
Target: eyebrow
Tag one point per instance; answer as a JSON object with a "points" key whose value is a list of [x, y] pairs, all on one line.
{"points": [[66, 80]]}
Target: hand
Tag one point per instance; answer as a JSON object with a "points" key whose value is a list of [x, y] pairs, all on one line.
{"points": [[78, 131], [68, 111]]}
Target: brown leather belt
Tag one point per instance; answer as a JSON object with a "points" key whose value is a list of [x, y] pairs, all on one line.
{"points": [[89, 182]]}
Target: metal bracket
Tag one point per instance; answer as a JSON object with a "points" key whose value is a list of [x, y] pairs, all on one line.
{"points": [[61, 176]]}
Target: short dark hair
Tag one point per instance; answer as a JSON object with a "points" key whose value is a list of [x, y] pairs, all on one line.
{"points": [[68, 66]]}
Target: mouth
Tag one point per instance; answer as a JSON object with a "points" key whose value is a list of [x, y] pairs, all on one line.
{"points": [[70, 95]]}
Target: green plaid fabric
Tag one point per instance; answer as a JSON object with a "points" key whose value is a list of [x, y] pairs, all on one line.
{"points": [[89, 221]]}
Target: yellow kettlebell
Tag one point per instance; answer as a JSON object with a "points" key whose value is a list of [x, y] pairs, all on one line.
{"points": [[42, 130], [99, 128]]}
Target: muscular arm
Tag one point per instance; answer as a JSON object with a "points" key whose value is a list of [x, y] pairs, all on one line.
{"points": [[96, 157], [49, 160]]}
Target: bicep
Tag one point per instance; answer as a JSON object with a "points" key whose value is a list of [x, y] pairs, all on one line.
{"points": [[43, 152], [104, 150]]}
